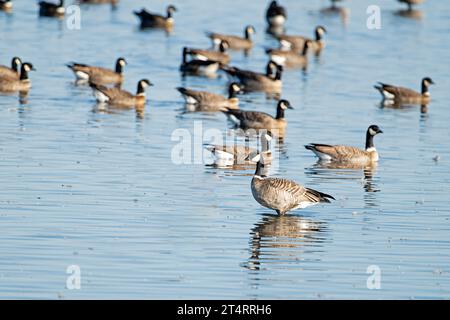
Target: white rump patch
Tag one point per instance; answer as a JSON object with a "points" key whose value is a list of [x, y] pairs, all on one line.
{"points": [[82, 75], [100, 96], [190, 100], [305, 204], [388, 95], [322, 156]]}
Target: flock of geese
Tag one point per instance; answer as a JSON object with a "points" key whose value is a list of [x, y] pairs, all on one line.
{"points": [[281, 195]]}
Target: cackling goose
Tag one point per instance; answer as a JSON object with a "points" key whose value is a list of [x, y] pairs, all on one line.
{"points": [[402, 95], [207, 101], [152, 20], [235, 42], [121, 98], [282, 195], [346, 154], [99, 75]]}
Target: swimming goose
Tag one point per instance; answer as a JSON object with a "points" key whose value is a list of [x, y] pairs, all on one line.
{"points": [[198, 67], [235, 42], [290, 58], [99, 75], [283, 195], [276, 15], [297, 43], [255, 81], [152, 20], [6, 5], [240, 154], [121, 98], [261, 120], [410, 3], [219, 56], [23, 83], [346, 154], [207, 101], [402, 95], [12, 72], [49, 9]]}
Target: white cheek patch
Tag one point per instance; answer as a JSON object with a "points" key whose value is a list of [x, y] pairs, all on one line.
{"points": [[277, 20], [372, 132]]}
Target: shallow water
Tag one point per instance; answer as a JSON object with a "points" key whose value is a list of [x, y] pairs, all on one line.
{"points": [[81, 186]]}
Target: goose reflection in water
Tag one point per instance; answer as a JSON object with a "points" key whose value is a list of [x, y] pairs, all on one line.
{"points": [[283, 239], [334, 10], [103, 108], [337, 170], [410, 14], [403, 107]]}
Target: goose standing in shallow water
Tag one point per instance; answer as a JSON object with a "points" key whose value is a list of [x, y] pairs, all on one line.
{"points": [[208, 101], [283, 195], [235, 42], [152, 20], [121, 98], [346, 154], [49, 9], [99, 75], [400, 95], [14, 71], [23, 83]]}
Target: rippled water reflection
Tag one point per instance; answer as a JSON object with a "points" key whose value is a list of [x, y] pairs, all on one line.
{"points": [[85, 185]]}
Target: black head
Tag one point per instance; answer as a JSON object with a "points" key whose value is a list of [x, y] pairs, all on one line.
{"points": [[321, 30], [27, 66], [171, 8], [15, 63], [249, 30], [121, 61], [427, 81], [284, 104], [373, 130], [224, 46], [145, 83]]}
